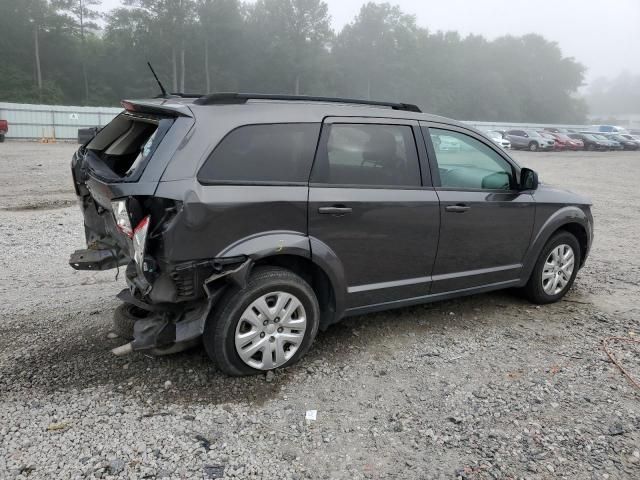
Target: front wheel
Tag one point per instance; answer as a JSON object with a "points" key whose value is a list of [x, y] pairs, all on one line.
{"points": [[269, 324], [533, 147], [555, 270]]}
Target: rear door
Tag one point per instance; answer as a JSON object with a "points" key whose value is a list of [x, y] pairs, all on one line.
{"points": [[486, 221], [370, 204]]}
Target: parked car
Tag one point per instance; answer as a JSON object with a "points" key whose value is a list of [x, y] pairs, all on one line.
{"points": [[608, 129], [556, 130], [627, 143], [557, 143], [4, 128], [499, 138], [248, 222], [529, 140], [568, 142], [611, 144], [590, 142], [635, 138]]}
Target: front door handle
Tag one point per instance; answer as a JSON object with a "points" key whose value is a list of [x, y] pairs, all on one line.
{"points": [[335, 210], [459, 208]]}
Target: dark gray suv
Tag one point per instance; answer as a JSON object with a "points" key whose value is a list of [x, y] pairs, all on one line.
{"points": [[248, 222]]}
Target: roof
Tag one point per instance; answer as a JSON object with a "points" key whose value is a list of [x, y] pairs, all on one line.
{"points": [[260, 108]]}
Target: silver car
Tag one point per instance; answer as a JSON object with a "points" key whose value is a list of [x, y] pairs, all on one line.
{"points": [[529, 140]]}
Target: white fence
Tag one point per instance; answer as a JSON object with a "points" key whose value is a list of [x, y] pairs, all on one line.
{"points": [[62, 122], [52, 121]]}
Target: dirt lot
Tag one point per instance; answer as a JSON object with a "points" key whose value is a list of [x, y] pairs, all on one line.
{"points": [[483, 387]]}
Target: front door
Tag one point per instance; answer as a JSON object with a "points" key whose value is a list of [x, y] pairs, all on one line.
{"points": [[486, 221], [369, 204]]}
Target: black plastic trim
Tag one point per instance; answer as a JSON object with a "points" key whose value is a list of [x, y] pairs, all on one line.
{"points": [[241, 98]]}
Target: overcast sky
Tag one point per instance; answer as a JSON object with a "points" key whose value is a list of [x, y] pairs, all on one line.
{"points": [[603, 35]]}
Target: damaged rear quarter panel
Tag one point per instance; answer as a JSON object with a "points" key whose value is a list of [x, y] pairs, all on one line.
{"points": [[213, 218]]}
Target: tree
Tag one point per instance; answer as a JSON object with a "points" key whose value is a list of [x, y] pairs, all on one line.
{"points": [[285, 46], [173, 18], [289, 40], [38, 11], [374, 52], [220, 25], [81, 17]]}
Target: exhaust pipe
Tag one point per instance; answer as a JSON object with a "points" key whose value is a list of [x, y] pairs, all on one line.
{"points": [[123, 350]]}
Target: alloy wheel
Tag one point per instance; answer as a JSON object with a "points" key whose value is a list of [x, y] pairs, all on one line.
{"points": [[558, 269]]}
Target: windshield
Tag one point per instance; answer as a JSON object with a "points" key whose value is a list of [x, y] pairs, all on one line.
{"points": [[533, 133]]}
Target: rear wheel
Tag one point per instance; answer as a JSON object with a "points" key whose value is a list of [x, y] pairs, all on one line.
{"points": [[555, 270], [533, 147], [269, 324], [1, 138]]}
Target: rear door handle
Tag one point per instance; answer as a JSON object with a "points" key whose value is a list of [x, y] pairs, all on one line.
{"points": [[460, 208], [335, 210]]}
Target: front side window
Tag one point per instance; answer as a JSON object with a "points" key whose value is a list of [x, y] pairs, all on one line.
{"points": [[273, 153], [368, 154], [466, 163]]}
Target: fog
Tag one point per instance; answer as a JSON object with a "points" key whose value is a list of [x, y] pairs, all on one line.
{"points": [[543, 60], [603, 36]]}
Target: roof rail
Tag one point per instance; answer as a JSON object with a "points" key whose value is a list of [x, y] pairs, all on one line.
{"points": [[240, 98], [180, 95]]}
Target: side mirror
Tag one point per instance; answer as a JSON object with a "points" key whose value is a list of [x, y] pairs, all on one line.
{"points": [[528, 179]]}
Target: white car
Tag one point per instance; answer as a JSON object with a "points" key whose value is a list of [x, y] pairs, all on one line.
{"points": [[497, 137]]}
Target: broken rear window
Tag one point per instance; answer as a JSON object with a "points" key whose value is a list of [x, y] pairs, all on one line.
{"points": [[126, 145]]}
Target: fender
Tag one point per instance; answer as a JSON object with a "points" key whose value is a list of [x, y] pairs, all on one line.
{"points": [[564, 216], [268, 244], [274, 243]]}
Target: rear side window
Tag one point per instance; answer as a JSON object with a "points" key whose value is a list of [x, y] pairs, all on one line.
{"points": [[273, 153], [368, 154]]}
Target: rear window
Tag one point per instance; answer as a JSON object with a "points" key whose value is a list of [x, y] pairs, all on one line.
{"points": [[269, 153], [126, 144]]}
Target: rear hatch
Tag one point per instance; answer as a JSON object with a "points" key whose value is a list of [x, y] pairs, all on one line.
{"points": [[115, 176]]}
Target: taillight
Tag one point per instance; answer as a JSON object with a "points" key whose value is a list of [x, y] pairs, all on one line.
{"points": [[121, 215], [140, 240]]}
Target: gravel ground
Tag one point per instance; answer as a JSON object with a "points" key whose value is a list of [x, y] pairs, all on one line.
{"points": [[482, 387]]}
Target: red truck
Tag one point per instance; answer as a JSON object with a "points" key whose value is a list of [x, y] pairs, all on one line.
{"points": [[4, 128]]}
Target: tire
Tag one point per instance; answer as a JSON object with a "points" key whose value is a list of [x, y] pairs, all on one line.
{"points": [[1, 138], [124, 317], [535, 289], [591, 147], [533, 147], [228, 319]]}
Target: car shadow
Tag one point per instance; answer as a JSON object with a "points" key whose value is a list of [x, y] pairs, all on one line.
{"points": [[85, 361]]}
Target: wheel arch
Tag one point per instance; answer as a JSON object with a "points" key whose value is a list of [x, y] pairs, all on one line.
{"points": [[293, 251], [571, 219]]}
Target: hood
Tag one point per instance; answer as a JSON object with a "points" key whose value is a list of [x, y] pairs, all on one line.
{"points": [[547, 192]]}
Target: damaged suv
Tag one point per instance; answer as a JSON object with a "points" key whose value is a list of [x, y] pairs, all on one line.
{"points": [[248, 222]]}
